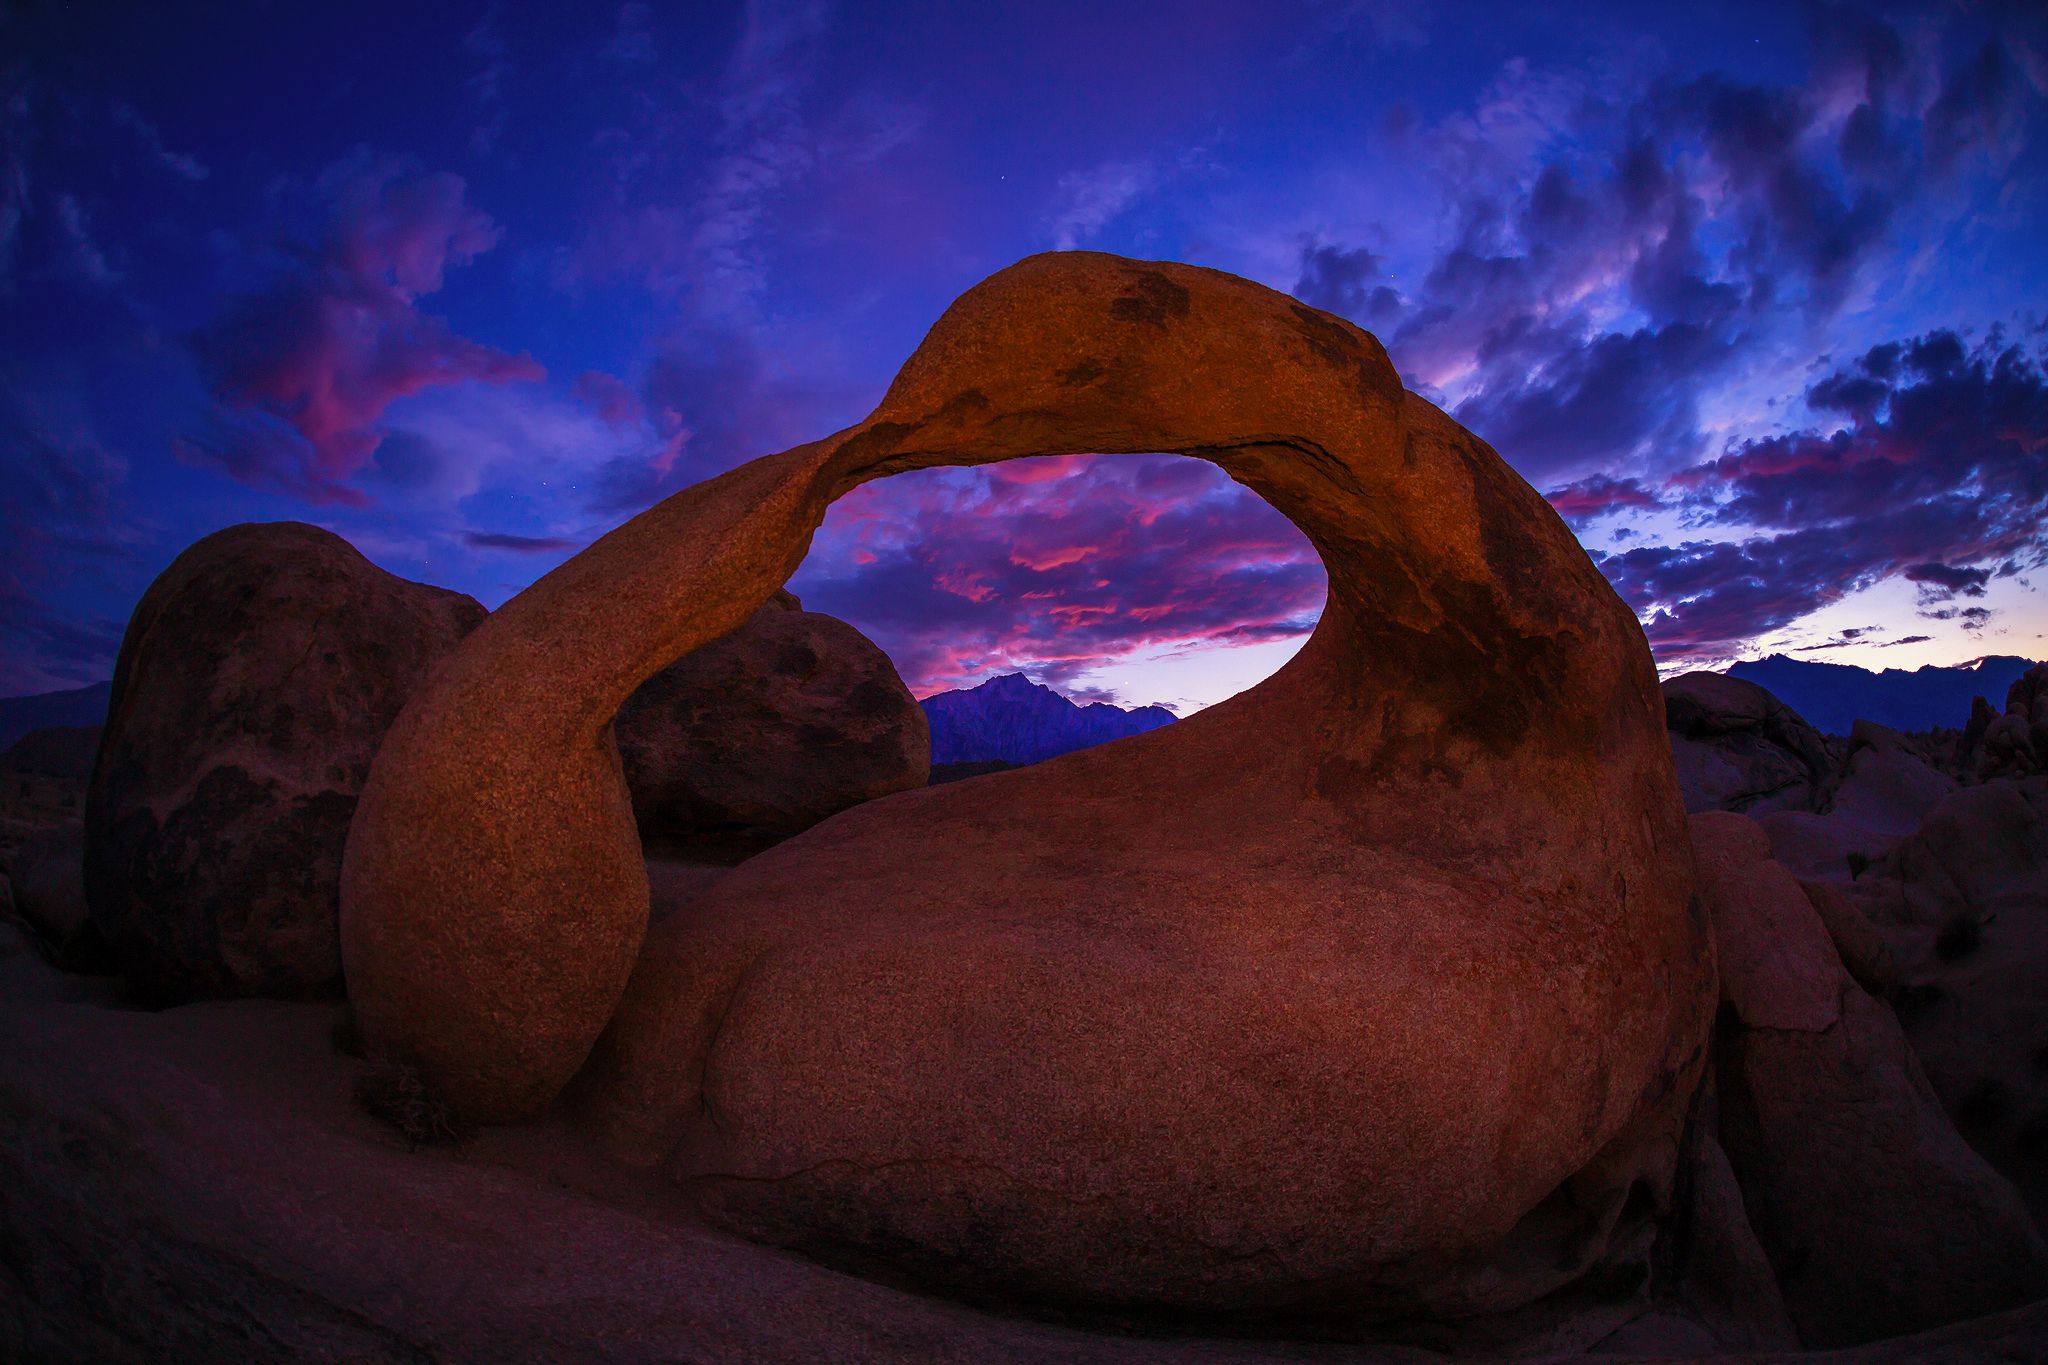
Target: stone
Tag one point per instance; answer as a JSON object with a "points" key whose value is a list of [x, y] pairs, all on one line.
{"points": [[1778, 968], [1883, 792], [49, 893], [1862, 949], [196, 1185], [1879, 1220], [1964, 906], [790, 719], [253, 683], [1280, 1009], [1886, 788], [1738, 748]]}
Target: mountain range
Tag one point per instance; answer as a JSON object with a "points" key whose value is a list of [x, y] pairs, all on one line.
{"points": [[80, 706], [1833, 697], [1015, 720]]}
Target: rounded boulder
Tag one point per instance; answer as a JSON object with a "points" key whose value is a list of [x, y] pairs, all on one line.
{"points": [[256, 677]]}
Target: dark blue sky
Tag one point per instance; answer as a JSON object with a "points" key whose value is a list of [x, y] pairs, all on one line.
{"points": [[1755, 293]]}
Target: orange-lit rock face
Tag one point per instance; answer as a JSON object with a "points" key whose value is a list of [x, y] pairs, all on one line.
{"points": [[1374, 989]]}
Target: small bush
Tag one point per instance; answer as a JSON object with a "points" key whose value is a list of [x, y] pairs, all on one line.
{"points": [[398, 1096], [1859, 863]]}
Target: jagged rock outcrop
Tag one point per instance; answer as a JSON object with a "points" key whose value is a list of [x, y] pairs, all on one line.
{"points": [[2012, 744], [1015, 720], [1738, 748], [256, 677], [793, 717], [1281, 1009]]}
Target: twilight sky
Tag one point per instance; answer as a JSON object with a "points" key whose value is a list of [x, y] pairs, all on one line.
{"points": [[1756, 294]]}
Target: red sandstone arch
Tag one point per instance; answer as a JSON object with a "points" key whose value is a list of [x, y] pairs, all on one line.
{"points": [[1439, 859]]}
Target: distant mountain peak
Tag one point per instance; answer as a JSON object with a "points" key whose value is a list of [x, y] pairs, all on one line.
{"points": [[1014, 719], [1832, 696]]}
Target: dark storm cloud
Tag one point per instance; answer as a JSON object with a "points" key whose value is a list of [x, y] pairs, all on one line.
{"points": [[1803, 197], [1940, 479], [1063, 564], [1345, 282], [1952, 580], [303, 370]]}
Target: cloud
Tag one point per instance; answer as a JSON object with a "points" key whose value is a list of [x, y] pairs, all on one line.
{"points": [[1085, 201], [487, 86], [70, 539], [709, 247], [1621, 245], [615, 404], [1339, 281], [1947, 489], [1390, 23], [1948, 579], [1590, 499], [1059, 566], [498, 540], [303, 370]]}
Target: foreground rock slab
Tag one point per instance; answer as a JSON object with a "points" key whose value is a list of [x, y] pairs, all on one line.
{"points": [[194, 1186]]}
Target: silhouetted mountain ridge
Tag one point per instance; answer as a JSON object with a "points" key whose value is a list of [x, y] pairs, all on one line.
{"points": [[1014, 719], [80, 706], [1833, 697]]}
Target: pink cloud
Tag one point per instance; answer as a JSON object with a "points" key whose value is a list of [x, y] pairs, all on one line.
{"points": [[616, 405], [1059, 566], [328, 347]]}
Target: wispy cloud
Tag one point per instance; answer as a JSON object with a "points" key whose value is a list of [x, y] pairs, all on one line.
{"points": [[303, 371]]}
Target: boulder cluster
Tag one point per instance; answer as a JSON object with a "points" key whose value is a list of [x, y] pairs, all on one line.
{"points": [[2014, 744]]}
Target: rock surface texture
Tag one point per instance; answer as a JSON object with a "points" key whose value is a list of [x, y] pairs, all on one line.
{"points": [[255, 679], [792, 718], [193, 1186], [1372, 991], [1738, 748], [1879, 1220]]}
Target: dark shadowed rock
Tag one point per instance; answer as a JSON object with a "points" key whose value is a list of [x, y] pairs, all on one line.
{"points": [[1963, 905], [1283, 1009], [48, 876], [195, 1186], [1878, 1218], [61, 751], [791, 718], [1862, 949], [255, 679], [1738, 748]]}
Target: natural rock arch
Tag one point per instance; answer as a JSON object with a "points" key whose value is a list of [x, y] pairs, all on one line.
{"points": [[1376, 988]]}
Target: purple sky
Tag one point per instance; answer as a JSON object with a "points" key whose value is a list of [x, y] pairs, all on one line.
{"points": [[1758, 295]]}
